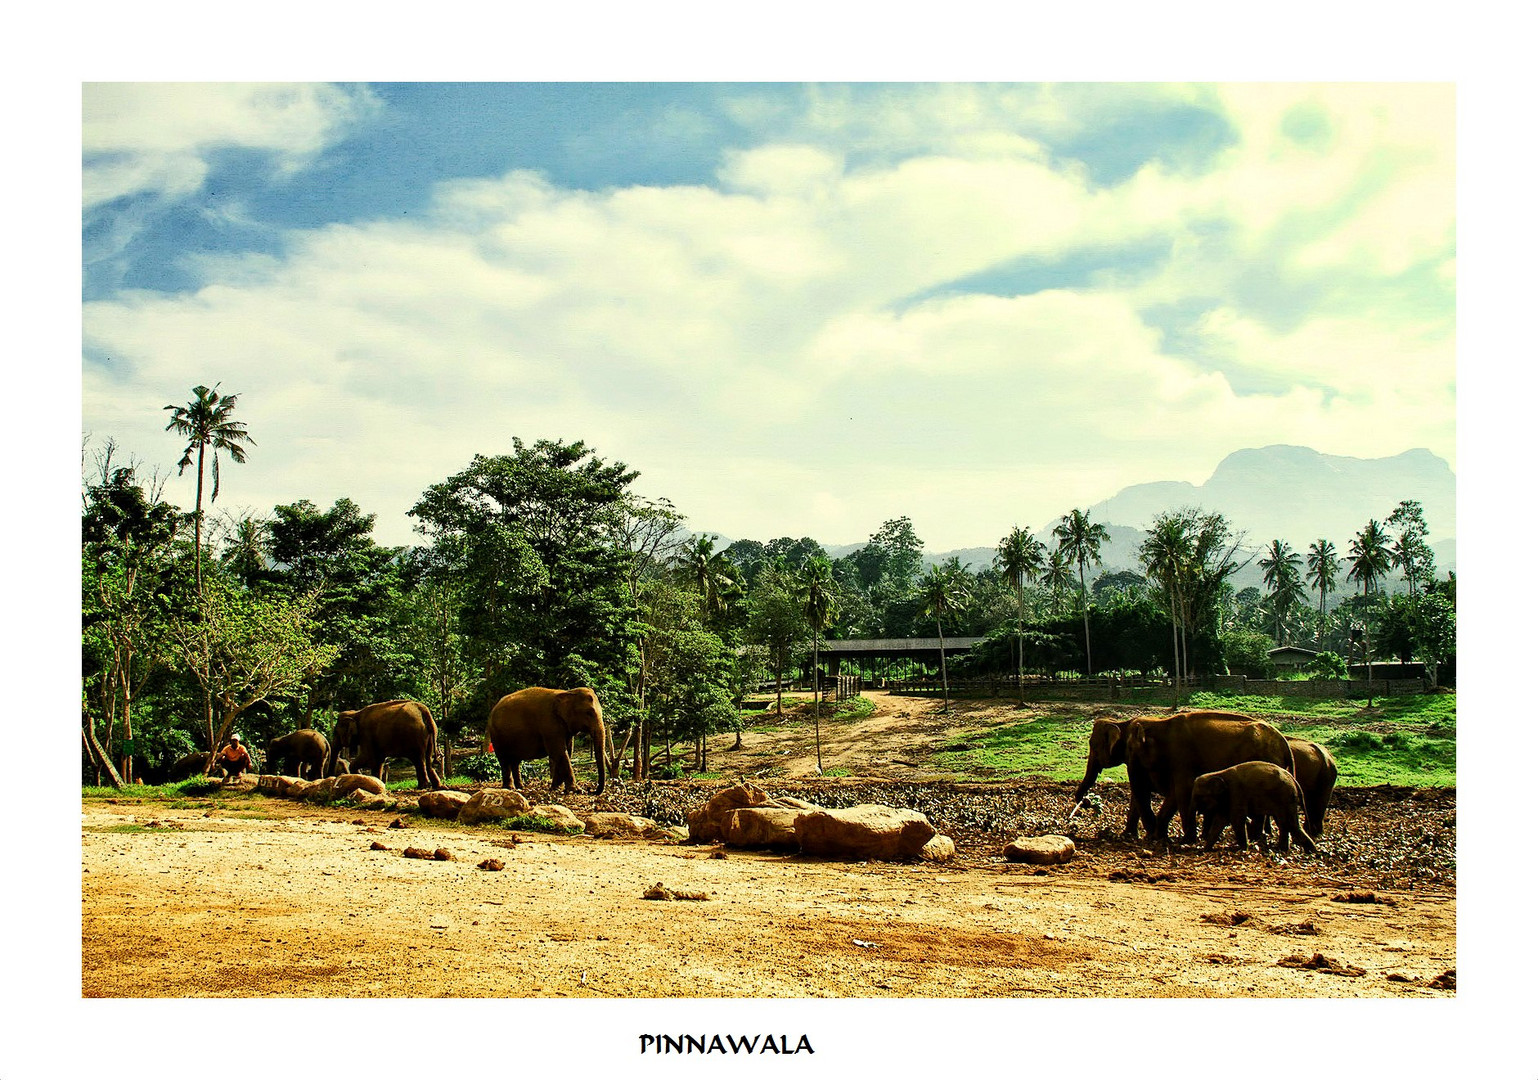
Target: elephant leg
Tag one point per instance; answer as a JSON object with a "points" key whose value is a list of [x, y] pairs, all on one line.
{"points": [[1305, 841], [561, 774]]}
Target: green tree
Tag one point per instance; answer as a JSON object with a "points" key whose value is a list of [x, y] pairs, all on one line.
{"points": [[128, 535], [206, 425], [1057, 576], [819, 605], [1408, 550], [1021, 558], [1282, 570], [711, 573], [245, 649], [777, 620], [1080, 539], [1167, 555], [944, 592], [534, 537], [1323, 565]]}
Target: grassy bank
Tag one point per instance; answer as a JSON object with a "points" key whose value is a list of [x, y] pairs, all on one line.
{"points": [[1409, 741]]}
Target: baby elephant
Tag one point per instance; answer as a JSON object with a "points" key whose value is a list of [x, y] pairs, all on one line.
{"points": [[1253, 789]]}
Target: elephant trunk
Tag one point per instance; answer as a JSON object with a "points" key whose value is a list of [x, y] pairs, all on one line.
{"points": [[1091, 774]]}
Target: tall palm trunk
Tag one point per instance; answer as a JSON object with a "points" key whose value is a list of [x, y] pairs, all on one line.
{"points": [[945, 684], [1089, 666]]}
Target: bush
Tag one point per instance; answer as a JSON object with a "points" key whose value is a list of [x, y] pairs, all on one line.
{"points": [[482, 767], [1327, 665]]}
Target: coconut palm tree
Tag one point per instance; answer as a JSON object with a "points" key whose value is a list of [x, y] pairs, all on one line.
{"points": [[1020, 558], [944, 590], [1080, 539], [206, 424], [1167, 556], [1368, 564], [1281, 571], [821, 607], [1057, 576], [711, 572], [1323, 565]]}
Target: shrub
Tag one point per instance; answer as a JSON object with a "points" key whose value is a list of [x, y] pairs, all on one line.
{"points": [[1327, 665], [480, 767]]}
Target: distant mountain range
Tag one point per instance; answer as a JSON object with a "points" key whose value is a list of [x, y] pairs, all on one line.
{"points": [[1286, 493]]}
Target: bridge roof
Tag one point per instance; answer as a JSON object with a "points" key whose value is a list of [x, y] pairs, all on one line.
{"points": [[899, 645]]}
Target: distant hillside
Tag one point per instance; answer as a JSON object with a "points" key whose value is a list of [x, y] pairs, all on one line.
{"points": [[1286, 493]]}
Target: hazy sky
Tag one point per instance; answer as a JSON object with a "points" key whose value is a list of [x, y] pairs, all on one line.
{"points": [[796, 309]]}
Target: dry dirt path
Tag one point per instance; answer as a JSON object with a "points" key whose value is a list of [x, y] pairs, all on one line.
{"points": [[267, 898]]}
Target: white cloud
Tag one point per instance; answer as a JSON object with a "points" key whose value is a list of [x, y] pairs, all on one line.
{"points": [[156, 137], [754, 351]]}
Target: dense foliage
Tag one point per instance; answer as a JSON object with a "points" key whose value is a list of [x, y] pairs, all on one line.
{"points": [[541, 567]]}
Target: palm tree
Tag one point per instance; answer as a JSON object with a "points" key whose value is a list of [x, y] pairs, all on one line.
{"points": [[817, 600], [711, 572], [1080, 540], [206, 424], [1281, 571], [1020, 558], [944, 590], [1369, 562], [1057, 576], [1323, 564], [1167, 556]]}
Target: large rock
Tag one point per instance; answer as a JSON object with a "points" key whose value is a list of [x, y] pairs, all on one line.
{"points": [[610, 826], [441, 804], [320, 791], [1041, 850], [941, 848], [864, 832], [707, 822], [348, 783], [762, 826], [280, 787], [559, 816], [492, 804]]}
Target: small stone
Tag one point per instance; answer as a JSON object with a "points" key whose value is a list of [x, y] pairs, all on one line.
{"points": [[377, 846], [417, 853], [489, 864], [443, 855], [1043, 850]]}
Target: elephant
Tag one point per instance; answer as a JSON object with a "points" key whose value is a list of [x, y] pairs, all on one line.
{"points": [[190, 765], [1316, 772], [1251, 789], [1176, 749], [1108, 749], [539, 722], [376, 733], [338, 766], [306, 750]]}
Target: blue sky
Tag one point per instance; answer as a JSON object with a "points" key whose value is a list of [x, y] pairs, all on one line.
{"points": [[797, 309]]}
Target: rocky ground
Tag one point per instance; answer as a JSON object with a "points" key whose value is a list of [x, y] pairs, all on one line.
{"points": [[241, 895]]}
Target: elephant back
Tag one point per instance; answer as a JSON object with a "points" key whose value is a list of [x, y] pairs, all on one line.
{"points": [[1219, 739]]}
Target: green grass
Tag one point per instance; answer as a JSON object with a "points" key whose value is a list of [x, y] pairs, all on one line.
{"points": [[180, 789], [1439, 709], [1419, 749]]}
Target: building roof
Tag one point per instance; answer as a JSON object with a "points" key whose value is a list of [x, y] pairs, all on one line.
{"points": [[899, 645]]}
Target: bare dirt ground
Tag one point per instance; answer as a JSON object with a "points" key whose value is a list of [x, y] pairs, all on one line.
{"points": [[243, 895]]}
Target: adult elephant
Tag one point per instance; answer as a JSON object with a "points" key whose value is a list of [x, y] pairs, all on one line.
{"points": [[1315, 769], [1175, 750], [187, 766], [306, 750], [1108, 749], [373, 735], [540, 722]]}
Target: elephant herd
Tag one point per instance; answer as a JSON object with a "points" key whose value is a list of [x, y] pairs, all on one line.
{"points": [[1231, 769], [532, 723]]}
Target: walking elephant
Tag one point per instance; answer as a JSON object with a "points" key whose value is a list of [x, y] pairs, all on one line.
{"points": [[187, 766], [306, 750], [539, 722], [373, 735], [1251, 789], [1175, 750], [1108, 749]]}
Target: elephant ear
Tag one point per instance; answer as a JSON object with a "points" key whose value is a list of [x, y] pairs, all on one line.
{"points": [[1113, 738]]}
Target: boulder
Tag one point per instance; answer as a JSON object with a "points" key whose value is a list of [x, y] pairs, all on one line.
{"points": [[274, 785], [560, 816], [1041, 850], [320, 791], [941, 848], [294, 788], [348, 783], [867, 831], [706, 822], [762, 826], [441, 804], [610, 826], [492, 804]]}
